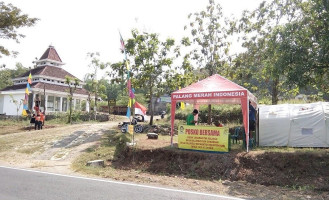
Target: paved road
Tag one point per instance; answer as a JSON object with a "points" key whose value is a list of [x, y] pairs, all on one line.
{"points": [[21, 184]]}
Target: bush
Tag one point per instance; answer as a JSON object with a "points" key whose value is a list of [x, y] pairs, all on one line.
{"points": [[224, 113]]}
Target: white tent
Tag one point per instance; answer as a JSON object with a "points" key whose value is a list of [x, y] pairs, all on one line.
{"points": [[294, 125]]}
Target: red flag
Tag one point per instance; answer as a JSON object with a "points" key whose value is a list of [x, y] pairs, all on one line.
{"points": [[140, 109]]}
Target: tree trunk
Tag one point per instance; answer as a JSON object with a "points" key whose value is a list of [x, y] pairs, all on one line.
{"points": [[151, 106], [95, 107], [108, 105], [70, 115], [275, 91], [209, 115]]}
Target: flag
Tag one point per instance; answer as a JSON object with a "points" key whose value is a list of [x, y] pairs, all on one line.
{"points": [[140, 109], [128, 112], [28, 86], [27, 91], [182, 105], [24, 113], [122, 42]]}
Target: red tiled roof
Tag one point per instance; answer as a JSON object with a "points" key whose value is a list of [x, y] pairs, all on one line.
{"points": [[50, 71], [51, 54], [59, 88]]}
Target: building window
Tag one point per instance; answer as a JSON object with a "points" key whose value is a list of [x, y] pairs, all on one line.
{"points": [[50, 103], [57, 103], [64, 104], [77, 104]]}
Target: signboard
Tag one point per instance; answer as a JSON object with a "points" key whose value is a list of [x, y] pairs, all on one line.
{"points": [[203, 138], [165, 99], [112, 102], [131, 129]]}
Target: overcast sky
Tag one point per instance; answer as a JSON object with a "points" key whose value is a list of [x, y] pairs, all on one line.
{"points": [[75, 28]]}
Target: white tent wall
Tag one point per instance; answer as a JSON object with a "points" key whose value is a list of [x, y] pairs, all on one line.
{"points": [[274, 124], [294, 125], [326, 114]]}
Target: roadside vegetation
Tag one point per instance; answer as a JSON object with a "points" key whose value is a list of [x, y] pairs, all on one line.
{"points": [[301, 170]]}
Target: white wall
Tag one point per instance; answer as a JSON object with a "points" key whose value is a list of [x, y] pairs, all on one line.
{"points": [[1, 104], [9, 107]]}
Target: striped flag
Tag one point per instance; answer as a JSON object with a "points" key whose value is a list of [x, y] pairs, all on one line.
{"points": [[29, 80], [27, 92]]}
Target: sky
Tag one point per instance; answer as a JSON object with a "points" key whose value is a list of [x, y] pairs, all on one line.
{"points": [[75, 28]]}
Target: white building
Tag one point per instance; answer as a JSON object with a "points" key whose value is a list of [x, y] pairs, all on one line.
{"points": [[48, 85]]}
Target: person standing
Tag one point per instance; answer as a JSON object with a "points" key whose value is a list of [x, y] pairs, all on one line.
{"points": [[190, 118], [252, 117]]}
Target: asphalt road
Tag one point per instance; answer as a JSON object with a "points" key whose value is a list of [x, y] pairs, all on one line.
{"points": [[23, 184]]}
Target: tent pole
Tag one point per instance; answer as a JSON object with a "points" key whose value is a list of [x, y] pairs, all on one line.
{"points": [[172, 118]]}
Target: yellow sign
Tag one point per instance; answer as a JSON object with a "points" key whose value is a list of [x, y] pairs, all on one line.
{"points": [[203, 138], [112, 102], [131, 129]]}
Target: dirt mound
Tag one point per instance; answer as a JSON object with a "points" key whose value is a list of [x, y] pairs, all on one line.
{"points": [[296, 170]]}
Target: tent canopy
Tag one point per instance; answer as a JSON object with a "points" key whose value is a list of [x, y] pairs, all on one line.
{"points": [[214, 90]]}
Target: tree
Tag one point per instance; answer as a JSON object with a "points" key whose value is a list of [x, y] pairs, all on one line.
{"points": [[210, 37], [72, 84], [7, 74], [152, 59], [286, 44], [18, 104], [11, 20], [96, 65]]}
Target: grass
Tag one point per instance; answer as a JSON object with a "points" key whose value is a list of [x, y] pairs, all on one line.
{"points": [[30, 150], [110, 143]]}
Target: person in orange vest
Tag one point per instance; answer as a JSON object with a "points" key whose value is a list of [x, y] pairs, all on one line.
{"points": [[37, 121], [42, 119]]}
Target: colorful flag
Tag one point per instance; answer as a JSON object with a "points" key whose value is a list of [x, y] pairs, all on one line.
{"points": [[122, 42], [182, 105], [140, 109], [24, 113], [27, 92], [128, 112]]}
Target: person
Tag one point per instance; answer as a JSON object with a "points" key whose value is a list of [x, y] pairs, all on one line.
{"points": [[32, 121], [190, 117], [42, 118], [37, 122], [218, 124], [252, 117]]}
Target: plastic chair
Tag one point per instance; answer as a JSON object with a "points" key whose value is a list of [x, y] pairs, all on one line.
{"points": [[235, 136]]}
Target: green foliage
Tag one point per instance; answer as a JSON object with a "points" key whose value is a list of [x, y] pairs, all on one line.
{"points": [[209, 34], [72, 84], [7, 74], [151, 62], [92, 84], [76, 116], [287, 47], [11, 20], [227, 114]]}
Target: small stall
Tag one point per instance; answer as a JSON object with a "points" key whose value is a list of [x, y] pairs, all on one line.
{"points": [[212, 90]]}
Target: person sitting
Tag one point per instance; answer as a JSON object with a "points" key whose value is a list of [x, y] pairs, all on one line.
{"points": [[190, 118], [219, 124]]}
